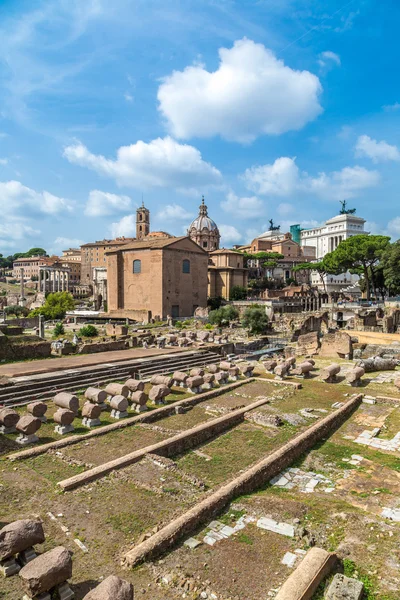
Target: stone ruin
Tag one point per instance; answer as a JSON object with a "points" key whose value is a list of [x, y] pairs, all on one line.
{"points": [[329, 374], [17, 541], [337, 344], [112, 588], [378, 363]]}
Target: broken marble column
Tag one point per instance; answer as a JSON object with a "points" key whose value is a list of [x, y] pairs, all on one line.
{"points": [[97, 396], [208, 379], [67, 400], [91, 414], [158, 393], [213, 368], [194, 384], [119, 407], [246, 369], [16, 542], [8, 420], [116, 389], [47, 573], [291, 362], [196, 372], [134, 385], [139, 401], [161, 380], [179, 378], [64, 419], [234, 373], [38, 410], [303, 370], [269, 365], [221, 377], [226, 365], [112, 588], [328, 374], [281, 370], [27, 427], [354, 376]]}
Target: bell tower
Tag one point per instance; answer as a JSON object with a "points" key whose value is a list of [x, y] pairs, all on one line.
{"points": [[142, 222]]}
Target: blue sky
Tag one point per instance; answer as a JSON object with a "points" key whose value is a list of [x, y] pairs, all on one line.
{"points": [[270, 108]]}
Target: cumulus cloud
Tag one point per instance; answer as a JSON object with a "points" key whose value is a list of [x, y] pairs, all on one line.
{"points": [[162, 162], [394, 227], [101, 204], [15, 197], [391, 107], [283, 178], [14, 229], [244, 208], [125, 227], [229, 235], [63, 243], [250, 94], [376, 151], [4, 161], [173, 212], [328, 59]]}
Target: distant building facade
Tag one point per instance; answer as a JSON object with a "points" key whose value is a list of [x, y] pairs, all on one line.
{"points": [[156, 277], [327, 238], [225, 271], [71, 259], [204, 231], [31, 266]]}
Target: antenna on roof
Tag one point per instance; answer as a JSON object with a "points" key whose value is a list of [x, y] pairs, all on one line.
{"points": [[142, 201]]}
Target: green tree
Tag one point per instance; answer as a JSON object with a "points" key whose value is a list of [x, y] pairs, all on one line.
{"points": [[88, 331], [15, 309], [55, 306], [238, 293], [215, 302], [254, 319], [223, 315], [391, 268], [35, 252], [58, 329], [358, 254]]}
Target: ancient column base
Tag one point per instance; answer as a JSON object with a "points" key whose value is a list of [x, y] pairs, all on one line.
{"points": [[119, 414], [65, 592], [208, 386], [43, 419], [5, 430], [140, 408], [103, 406], [44, 596], [26, 556], [64, 429], [195, 390], [86, 422], [9, 567], [25, 440]]}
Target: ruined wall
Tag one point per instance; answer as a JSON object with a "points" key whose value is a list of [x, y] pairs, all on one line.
{"points": [[22, 347], [92, 348], [337, 344], [301, 323]]}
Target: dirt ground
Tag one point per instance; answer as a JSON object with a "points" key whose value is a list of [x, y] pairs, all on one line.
{"points": [[112, 515]]}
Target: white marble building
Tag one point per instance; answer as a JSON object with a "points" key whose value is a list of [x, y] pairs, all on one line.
{"points": [[326, 238]]}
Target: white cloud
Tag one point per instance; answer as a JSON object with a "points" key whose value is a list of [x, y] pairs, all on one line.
{"points": [[14, 229], [101, 204], [243, 208], [4, 161], [15, 197], [376, 151], [394, 226], [250, 94], [284, 209], [283, 178], [229, 235], [373, 228], [160, 163], [173, 212], [391, 107], [63, 243], [328, 58], [128, 97], [126, 227]]}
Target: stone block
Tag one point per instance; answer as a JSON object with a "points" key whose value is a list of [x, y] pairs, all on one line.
{"points": [[8, 420], [38, 410], [95, 395], [112, 588], [337, 344], [46, 571], [67, 400], [159, 392], [344, 588], [308, 344]]}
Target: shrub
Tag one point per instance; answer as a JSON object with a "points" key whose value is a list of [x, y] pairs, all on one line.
{"points": [[255, 319], [58, 329], [15, 309], [55, 306], [208, 326], [214, 303], [223, 315], [179, 325], [88, 331], [238, 293]]}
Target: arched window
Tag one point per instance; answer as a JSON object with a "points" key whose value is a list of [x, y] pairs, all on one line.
{"points": [[186, 266], [137, 266]]}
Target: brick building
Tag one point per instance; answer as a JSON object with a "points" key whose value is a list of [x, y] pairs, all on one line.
{"points": [[225, 271], [156, 277]]}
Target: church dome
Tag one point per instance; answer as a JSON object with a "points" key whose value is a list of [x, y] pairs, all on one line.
{"points": [[203, 230]]}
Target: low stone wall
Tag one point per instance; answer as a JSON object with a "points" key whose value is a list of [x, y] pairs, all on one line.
{"points": [[170, 447], [254, 477], [88, 348]]}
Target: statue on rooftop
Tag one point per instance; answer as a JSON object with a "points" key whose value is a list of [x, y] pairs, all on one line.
{"points": [[346, 211], [272, 227]]}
